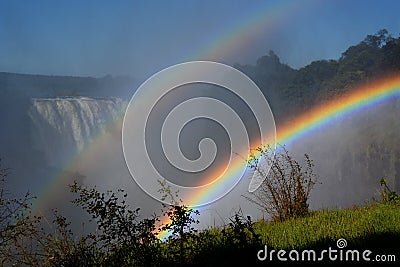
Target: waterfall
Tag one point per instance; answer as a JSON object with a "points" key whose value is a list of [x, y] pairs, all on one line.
{"points": [[62, 127]]}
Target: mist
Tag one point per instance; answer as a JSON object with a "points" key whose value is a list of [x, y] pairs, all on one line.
{"points": [[50, 137], [350, 156]]}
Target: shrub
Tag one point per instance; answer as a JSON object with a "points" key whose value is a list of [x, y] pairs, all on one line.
{"points": [[386, 194], [124, 238], [181, 219], [19, 231], [61, 249], [240, 234], [286, 187]]}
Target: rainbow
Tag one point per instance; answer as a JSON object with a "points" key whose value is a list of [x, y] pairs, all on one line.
{"points": [[245, 32], [323, 115], [250, 30], [353, 102], [86, 159], [339, 108], [357, 100]]}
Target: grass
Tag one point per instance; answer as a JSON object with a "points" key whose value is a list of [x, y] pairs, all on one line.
{"points": [[357, 225], [375, 227]]}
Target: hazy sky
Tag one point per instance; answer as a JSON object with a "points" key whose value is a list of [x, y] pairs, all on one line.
{"points": [[138, 38]]}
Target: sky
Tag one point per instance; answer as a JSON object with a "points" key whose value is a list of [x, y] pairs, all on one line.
{"points": [[139, 38]]}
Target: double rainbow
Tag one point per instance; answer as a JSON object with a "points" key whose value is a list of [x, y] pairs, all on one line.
{"points": [[240, 36], [261, 23]]}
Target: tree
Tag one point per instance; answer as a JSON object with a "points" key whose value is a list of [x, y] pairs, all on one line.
{"points": [[18, 229], [118, 224], [180, 225], [122, 237], [379, 39]]}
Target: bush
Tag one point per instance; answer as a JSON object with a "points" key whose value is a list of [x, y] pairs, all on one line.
{"points": [[240, 234], [124, 238], [285, 191], [61, 249], [18, 229], [180, 225], [386, 194]]}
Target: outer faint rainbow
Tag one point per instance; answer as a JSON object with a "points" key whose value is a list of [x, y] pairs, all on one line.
{"points": [[238, 37], [88, 155], [248, 30]]}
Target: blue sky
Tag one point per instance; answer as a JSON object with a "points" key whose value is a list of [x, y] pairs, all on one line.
{"points": [[139, 38]]}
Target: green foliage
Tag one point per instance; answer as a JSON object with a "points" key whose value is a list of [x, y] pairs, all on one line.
{"points": [[286, 186], [118, 224], [24, 241], [181, 220], [290, 91], [240, 234], [121, 233], [180, 227], [16, 223], [61, 249], [180, 216], [370, 227], [386, 194], [323, 227]]}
